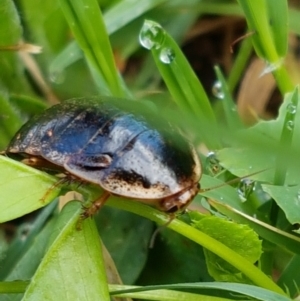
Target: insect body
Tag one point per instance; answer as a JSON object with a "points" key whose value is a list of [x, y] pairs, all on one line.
{"points": [[103, 141]]}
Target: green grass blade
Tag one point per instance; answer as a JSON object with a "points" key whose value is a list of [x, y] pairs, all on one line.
{"points": [[256, 13], [163, 295], [232, 118], [285, 142], [289, 278], [10, 121], [239, 64], [243, 265], [278, 18], [235, 288], [180, 79], [13, 287], [86, 22], [126, 11], [257, 16], [115, 18], [11, 71]]}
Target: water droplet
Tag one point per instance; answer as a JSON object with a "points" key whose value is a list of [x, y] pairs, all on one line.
{"points": [[24, 231], [217, 90], [166, 55], [291, 108], [212, 164], [58, 77], [298, 195], [270, 67], [290, 125], [297, 198], [151, 35], [245, 188]]}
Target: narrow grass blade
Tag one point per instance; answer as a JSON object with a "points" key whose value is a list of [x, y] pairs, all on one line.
{"points": [[86, 22], [285, 142], [235, 288], [179, 77], [243, 265], [257, 16], [232, 118], [278, 18], [239, 64]]}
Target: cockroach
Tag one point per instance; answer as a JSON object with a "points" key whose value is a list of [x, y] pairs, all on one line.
{"points": [[105, 141]]}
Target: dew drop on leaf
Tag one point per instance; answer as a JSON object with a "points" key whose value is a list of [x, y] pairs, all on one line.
{"points": [[290, 125], [297, 198], [213, 164], [270, 67], [217, 90], [245, 188], [166, 55], [57, 77], [151, 35], [291, 108]]}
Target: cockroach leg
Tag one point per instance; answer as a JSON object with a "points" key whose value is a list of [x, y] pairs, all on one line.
{"points": [[96, 205], [53, 186], [68, 179], [172, 216]]}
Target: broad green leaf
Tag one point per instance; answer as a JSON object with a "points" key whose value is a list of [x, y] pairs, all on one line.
{"points": [[225, 194], [240, 238], [24, 254], [283, 239], [226, 200], [252, 272], [23, 189], [73, 267], [257, 148], [169, 247], [126, 237], [25, 266], [287, 198]]}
